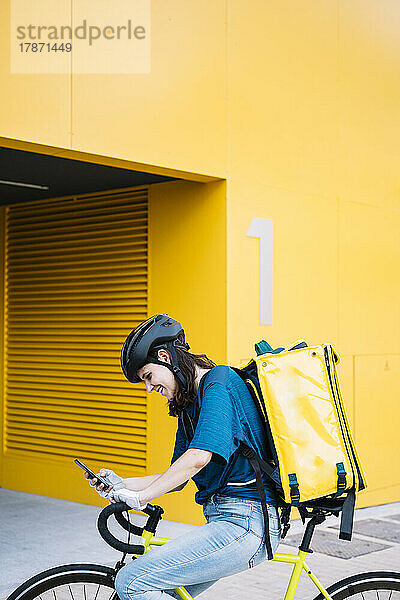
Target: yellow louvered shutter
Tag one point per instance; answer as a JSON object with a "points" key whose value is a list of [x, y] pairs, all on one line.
{"points": [[76, 284]]}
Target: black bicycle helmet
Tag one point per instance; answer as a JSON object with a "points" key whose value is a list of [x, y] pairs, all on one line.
{"points": [[160, 331]]}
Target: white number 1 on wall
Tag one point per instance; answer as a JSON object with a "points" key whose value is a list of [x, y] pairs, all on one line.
{"points": [[262, 229]]}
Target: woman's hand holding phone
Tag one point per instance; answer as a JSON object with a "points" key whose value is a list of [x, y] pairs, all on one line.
{"points": [[115, 482], [104, 482], [98, 485], [116, 491]]}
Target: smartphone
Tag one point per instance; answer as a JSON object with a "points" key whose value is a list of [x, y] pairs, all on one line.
{"points": [[91, 474]]}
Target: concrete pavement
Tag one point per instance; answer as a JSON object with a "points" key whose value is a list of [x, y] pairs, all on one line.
{"points": [[37, 533]]}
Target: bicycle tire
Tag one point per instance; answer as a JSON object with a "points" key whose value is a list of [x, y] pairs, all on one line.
{"points": [[43, 586], [379, 585]]}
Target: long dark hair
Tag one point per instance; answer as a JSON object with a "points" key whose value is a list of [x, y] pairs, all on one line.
{"points": [[187, 363]]}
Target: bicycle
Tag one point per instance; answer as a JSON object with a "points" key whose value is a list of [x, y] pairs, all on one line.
{"points": [[62, 578]]}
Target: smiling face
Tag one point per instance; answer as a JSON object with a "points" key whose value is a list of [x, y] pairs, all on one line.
{"points": [[158, 378]]}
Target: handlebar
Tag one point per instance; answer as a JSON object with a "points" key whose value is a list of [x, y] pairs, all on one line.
{"points": [[117, 509]]}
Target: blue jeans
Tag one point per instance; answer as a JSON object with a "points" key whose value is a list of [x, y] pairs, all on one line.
{"points": [[231, 541]]}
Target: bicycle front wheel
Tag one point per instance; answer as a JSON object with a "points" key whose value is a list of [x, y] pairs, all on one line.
{"points": [[69, 582], [379, 585]]}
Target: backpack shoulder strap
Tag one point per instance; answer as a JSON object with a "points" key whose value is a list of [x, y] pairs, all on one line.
{"points": [[255, 462], [189, 424]]}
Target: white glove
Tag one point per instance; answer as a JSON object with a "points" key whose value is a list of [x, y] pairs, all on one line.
{"points": [[130, 497], [113, 480]]}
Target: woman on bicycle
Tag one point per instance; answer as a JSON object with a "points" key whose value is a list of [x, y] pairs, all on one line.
{"points": [[211, 426]]}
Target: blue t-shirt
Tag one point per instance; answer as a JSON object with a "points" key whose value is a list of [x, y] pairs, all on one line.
{"points": [[226, 416]]}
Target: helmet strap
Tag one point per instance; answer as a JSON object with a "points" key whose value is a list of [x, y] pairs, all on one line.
{"points": [[174, 368]]}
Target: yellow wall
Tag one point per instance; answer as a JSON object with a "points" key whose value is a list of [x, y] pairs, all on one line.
{"points": [[2, 337], [187, 279], [314, 146], [296, 103], [176, 115]]}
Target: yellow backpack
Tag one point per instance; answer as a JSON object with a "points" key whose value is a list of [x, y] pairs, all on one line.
{"points": [[312, 457]]}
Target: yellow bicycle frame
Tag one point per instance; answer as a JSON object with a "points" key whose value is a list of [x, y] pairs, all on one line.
{"points": [[297, 560]]}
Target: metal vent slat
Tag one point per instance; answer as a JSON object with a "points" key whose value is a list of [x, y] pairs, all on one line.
{"points": [[57, 411], [91, 424], [76, 284], [115, 243]]}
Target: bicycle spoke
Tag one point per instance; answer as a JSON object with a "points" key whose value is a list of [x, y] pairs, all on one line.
{"points": [[96, 582], [80, 591], [387, 588], [97, 592]]}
